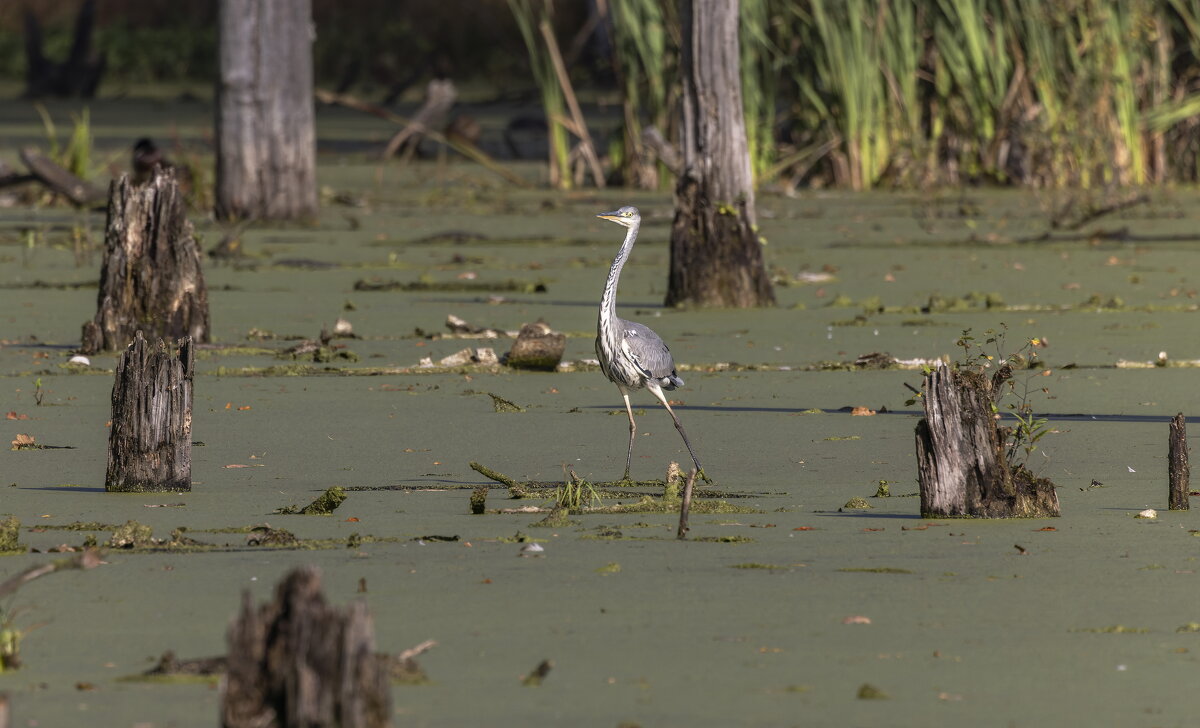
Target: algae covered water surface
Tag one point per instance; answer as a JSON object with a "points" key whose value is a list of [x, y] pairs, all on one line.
{"points": [[782, 608]]}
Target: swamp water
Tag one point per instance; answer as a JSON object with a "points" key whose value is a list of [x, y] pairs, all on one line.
{"points": [[776, 616]]}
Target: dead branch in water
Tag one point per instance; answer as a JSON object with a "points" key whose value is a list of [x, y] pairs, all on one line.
{"points": [[87, 559], [463, 147]]}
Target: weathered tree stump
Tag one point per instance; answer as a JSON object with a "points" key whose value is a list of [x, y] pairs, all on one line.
{"points": [[537, 347], [440, 96], [961, 463], [1179, 473], [296, 662], [151, 279], [150, 443]]}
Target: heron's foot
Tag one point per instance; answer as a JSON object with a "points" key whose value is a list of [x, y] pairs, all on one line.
{"points": [[624, 480], [701, 475]]}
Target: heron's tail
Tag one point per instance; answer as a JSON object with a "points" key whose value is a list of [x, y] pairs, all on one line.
{"points": [[670, 382]]}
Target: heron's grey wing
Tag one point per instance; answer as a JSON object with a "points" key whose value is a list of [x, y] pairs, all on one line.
{"points": [[649, 353]]}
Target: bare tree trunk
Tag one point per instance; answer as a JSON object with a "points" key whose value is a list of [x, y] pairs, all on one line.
{"points": [[151, 279], [716, 258], [1177, 464], [296, 662], [961, 465], [150, 443], [78, 75], [266, 144]]}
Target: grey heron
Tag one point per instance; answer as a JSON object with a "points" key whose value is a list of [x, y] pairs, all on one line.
{"points": [[630, 354]]}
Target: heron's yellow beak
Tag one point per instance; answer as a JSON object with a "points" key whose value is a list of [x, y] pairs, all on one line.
{"points": [[612, 216]]}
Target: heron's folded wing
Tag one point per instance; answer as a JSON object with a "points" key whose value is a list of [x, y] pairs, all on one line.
{"points": [[648, 351]]}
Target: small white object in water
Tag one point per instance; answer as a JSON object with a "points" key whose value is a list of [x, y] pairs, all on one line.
{"points": [[486, 355], [1148, 513], [531, 549], [1131, 469], [80, 359]]}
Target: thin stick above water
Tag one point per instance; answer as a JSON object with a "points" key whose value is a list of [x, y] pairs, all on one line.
{"points": [[686, 504], [1177, 464]]}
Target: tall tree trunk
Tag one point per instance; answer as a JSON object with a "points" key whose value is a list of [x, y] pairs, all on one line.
{"points": [[266, 145], [716, 259]]}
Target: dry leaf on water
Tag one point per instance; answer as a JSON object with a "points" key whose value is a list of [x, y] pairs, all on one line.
{"points": [[22, 441], [862, 412], [15, 416]]}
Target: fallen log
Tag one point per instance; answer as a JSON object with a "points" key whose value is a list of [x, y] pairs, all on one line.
{"points": [[59, 180]]}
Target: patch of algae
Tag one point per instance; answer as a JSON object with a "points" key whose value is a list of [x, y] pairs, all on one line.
{"points": [[324, 505], [650, 504]]}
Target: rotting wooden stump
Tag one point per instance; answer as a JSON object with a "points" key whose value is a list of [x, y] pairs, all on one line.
{"points": [[537, 347], [150, 442], [961, 464], [150, 279], [1179, 472], [440, 96], [296, 662]]}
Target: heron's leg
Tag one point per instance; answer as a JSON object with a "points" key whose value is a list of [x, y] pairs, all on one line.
{"points": [[632, 431], [657, 392]]}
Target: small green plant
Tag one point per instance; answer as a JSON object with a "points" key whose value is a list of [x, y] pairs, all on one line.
{"points": [[575, 493], [10, 644], [38, 392], [76, 156], [1009, 393]]}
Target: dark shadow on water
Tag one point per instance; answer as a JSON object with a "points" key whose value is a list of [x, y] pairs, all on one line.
{"points": [[508, 300], [1053, 417], [65, 488], [868, 514]]}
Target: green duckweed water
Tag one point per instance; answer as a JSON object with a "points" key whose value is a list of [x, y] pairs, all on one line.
{"points": [[752, 620]]}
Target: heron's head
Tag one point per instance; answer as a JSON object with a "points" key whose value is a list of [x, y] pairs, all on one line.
{"points": [[627, 216]]}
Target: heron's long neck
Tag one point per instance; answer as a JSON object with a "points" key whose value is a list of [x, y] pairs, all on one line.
{"points": [[608, 303]]}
